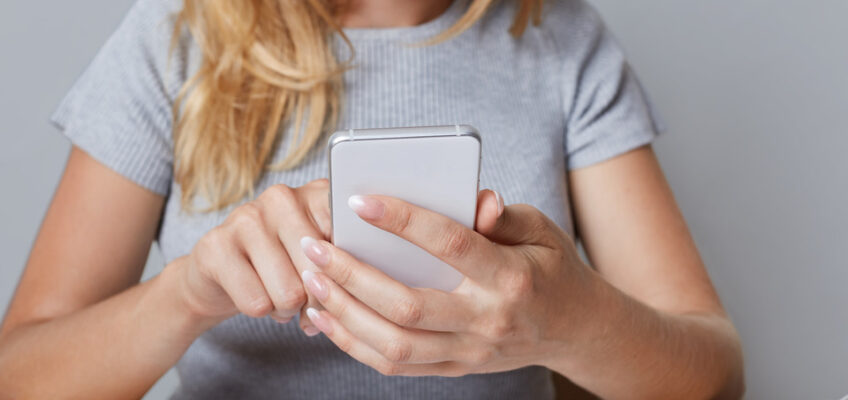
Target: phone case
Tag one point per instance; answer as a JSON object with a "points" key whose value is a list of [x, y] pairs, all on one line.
{"points": [[437, 168]]}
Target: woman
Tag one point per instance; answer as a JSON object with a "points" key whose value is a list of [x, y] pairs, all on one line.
{"points": [[232, 192]]}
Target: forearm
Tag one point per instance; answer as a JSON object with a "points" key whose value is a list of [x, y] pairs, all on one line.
{"points": [[631, 350], [113, 349]]}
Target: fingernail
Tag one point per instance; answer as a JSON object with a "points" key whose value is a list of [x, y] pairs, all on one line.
{"points": [[311, 331], [500, 202], [314, 251], [280, 319], [320, 322], [366, 207], [314, 286]]}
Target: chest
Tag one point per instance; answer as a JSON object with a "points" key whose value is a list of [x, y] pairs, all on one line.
{"points": [[511, 94]]}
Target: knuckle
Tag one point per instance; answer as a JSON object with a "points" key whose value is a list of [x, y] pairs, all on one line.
{"points": [[457, 242], [518, 284], [215, 237], [322, 183], [541, 226], [403, 220], [293, 299], [279, 194], [538, 222], [498, 329], [209, 246], [406, 313], [202, 247], [341, 273], [338, 307], [258, 307], [397, 350], [248, 215], [387, 368], [481, 356]]}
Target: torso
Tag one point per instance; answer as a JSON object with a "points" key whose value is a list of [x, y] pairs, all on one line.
{"points": [[510, 91]]}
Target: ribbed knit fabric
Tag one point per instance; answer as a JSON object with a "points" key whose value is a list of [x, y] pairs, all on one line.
{"points": [[560, 97]]}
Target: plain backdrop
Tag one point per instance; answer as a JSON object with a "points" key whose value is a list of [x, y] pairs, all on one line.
{"points": [[755, 97]]}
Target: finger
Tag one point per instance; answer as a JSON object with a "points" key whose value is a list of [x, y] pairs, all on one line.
{"points": [[287, 210], [241, 283], [271, 262], [464, 249], [423, 308], [318, 204], [489, 208], [523, 224], [363, 353], [395, 343]]}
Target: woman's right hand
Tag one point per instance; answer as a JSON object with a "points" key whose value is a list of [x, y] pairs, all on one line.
{"points": [[252, 262]]}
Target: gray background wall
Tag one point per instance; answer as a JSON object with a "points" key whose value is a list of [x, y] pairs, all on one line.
{"points": [[754, 93]]}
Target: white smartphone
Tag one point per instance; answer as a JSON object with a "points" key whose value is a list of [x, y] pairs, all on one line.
{"points": [[436, 167]]}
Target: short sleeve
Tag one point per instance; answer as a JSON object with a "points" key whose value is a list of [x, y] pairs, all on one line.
{"points": [[119, 110], [609, 112]]}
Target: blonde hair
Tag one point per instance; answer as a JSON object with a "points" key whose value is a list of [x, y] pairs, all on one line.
{"points": [[266, 64]]}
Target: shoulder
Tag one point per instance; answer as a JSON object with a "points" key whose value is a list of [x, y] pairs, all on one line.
{"points": [[151, 12], [570, 16], [150, 20], [146, 40], [574, 26]]}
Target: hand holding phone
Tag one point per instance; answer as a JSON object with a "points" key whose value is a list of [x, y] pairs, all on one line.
{"points": [[437, 168]]}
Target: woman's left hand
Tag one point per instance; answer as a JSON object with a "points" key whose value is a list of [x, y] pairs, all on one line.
{"points": [[525, 294]]}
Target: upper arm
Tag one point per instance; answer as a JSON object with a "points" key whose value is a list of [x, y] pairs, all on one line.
{"points": [[93, 242], [97, 232], [635, 235]]}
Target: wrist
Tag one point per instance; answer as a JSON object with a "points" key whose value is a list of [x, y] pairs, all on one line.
{"points": [[172, 282], [580, 330]]}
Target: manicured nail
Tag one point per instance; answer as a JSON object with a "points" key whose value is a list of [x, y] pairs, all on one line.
{"points": [[366, 207], [320, 322], [314, 286], [314, 251], [280, 319], [500, 202], [311, 331]]}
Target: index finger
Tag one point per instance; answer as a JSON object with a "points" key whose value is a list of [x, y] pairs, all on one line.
{"points": [[462, 248], [287, 211], [420, 308]]}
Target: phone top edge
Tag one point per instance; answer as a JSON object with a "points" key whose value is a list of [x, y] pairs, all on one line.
{"points": [[345, 135]]}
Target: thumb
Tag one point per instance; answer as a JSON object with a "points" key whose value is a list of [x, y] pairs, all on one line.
{"points": [[489, 208], [513, 224]]}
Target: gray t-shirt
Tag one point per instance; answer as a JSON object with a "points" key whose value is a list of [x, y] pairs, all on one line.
{"points": [[560, 97]]}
